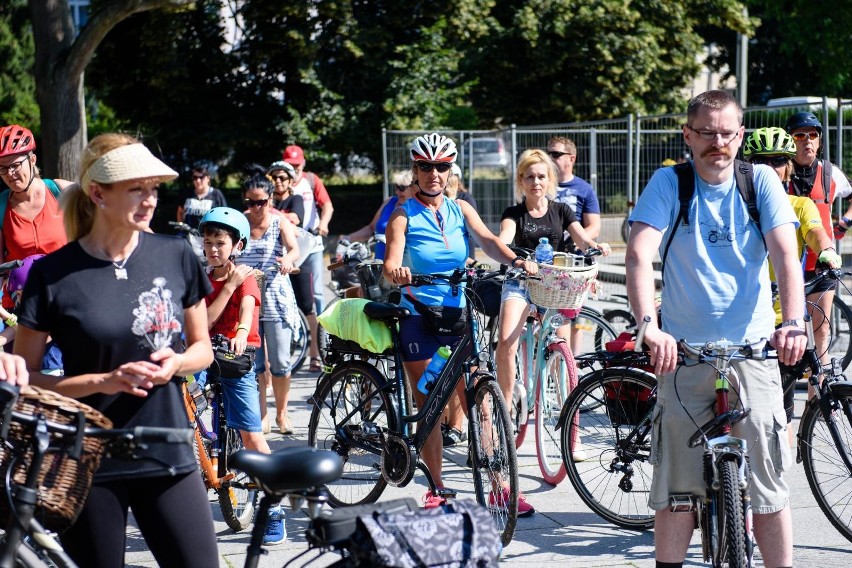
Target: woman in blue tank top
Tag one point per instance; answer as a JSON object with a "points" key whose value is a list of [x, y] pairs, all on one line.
{"points": [[428, 234]]}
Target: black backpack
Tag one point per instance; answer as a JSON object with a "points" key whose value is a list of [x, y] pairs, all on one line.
{"points": [[744, 177]]}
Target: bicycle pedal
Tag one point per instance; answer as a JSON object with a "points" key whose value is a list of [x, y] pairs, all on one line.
{"points": [[682, 503], [446, 493]]}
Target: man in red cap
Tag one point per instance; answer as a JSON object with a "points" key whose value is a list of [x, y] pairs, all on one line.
{"points": [[318, 211]]}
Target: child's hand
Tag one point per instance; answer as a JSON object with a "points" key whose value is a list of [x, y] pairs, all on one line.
{"points": [[238, 343], [238, 274]]}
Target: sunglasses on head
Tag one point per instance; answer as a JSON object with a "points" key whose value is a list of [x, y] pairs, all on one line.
{"points": [[427, 167], [256, 202], [810, 135], [774, 161]]}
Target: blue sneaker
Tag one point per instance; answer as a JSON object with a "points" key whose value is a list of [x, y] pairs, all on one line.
{"points": [[275, 533]]}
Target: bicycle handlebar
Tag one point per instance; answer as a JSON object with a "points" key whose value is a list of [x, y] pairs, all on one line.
{"points": [[8, 267]]}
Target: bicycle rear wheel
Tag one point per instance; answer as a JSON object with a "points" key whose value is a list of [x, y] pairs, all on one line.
{"points": [[827, 475], [300, 342], [237, 497], [595, 331], [350, 405], [840, 345], [555, 384], [495, 465], [606, 444]]}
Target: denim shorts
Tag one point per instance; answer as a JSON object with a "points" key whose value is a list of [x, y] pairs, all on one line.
{"points": [[418, 343], [275, 338], [514, 290], [242, 401], [678, 468]]}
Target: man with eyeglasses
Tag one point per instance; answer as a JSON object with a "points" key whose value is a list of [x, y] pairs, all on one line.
{"points": [[810, 176], [194, 202], [715, 288], [318, 212]]}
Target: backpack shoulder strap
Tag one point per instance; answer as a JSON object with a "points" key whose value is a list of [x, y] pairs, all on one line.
{"points": [[744, 176], [312, 181], [685, 191], [826, 181], [4, 201], [53, 187]]}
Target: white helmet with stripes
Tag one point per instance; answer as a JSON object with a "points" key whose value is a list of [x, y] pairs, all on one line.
{"points": [[434, 148]]}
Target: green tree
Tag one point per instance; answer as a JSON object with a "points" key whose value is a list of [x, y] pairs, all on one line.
{"points": [[61, 57], [17, 87], [559, 61]]}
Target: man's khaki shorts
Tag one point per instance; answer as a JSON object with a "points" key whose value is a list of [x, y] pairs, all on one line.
{"points": [[678, 468]]}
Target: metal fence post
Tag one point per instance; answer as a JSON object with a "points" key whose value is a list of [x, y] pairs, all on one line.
{"points": [[593, 158], [636, 164], [385, 188], [631, 175], [826, 144]]}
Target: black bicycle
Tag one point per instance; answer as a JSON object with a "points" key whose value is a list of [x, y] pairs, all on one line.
{"points": [[368, 419], [48, 466]]}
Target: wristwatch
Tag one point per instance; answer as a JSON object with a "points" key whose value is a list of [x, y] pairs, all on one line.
{"points": [[793, 323], [516, 259]]}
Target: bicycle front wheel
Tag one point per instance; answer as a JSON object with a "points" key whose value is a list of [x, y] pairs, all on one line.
{"points": [[727, 520], [827, 475], [555, 384], [606, 442], [495, 464], [350, 407], [300, 342], [237, 497]]}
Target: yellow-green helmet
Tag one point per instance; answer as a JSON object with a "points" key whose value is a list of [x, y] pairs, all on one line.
{"points": [[769, 141]]}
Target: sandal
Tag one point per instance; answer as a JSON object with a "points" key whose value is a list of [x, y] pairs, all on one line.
{"points": [[316, 365]]}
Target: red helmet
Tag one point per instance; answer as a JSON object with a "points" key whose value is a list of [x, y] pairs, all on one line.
{"points": [[15, 139]]}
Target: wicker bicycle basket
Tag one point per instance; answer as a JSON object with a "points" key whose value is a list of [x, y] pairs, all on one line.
{"points": [[63, 482], [563, 287]]}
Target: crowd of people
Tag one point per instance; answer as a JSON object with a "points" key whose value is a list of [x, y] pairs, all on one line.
{"points": [[130, 310]]}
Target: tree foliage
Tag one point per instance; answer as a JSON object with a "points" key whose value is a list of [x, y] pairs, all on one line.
{"points": [[17, 87]]}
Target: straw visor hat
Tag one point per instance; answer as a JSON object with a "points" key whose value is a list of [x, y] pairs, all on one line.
{"points": [[133, 161]]}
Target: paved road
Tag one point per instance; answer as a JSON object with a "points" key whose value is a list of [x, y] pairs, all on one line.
{"points": [[564, 532]]}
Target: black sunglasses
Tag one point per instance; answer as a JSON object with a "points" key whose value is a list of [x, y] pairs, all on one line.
{"points": [[774, 161], [427, 167], [256, 202], [198, 177], [556, 155], [280, 178], [400, 187]]}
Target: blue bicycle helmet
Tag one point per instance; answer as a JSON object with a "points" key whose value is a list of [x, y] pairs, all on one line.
{"points": [[229, 219], [803, 120]]}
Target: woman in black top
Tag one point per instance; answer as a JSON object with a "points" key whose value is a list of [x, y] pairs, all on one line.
{"points": [[535, 215], [116, 300]]}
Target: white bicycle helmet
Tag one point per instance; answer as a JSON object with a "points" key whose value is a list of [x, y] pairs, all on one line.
{"points": [[434, 148]]}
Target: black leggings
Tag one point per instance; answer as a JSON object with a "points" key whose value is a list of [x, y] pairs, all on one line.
{"points": [[304, 290], [173, 515]]}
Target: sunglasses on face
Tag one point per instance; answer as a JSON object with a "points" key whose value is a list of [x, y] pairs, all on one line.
{"points": [[196, 178], [281, 178], [427, 167], [256, 202], [14, 167], [811, 135], [774, 161], [555, 154], [400, 188]]}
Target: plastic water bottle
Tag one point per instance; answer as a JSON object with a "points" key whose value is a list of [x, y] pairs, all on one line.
{"points": [[436, 365], [544, 252], [197, 395]]}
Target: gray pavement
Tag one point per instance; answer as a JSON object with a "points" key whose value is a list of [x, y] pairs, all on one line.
{"points": [[563, 532]]}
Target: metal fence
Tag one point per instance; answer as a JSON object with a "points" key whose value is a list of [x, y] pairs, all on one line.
{"points": [[617, 157]]}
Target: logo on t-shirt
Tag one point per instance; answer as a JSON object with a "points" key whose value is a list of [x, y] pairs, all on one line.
{"points": [[156, 316]]}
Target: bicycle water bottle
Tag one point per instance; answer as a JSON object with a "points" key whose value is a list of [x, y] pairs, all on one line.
{"points": [[197, 394], [544, 252], [436, 365]]}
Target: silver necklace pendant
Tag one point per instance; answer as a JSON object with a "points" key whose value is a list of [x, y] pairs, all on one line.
{"points": [[120, 273]]}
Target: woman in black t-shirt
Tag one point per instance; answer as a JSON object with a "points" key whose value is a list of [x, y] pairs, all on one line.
{"points": [[534, 216], [116, 300]]}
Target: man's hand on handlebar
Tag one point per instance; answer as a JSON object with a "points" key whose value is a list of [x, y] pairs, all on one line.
{"points": [[790, 343]]}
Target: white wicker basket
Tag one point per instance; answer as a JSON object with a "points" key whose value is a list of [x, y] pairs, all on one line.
{"points": [[563, 287]]}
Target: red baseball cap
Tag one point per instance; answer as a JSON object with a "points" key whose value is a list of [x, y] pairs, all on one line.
{"points": [[293, 155]]}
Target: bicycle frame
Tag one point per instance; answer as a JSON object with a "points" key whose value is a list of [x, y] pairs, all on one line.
{"points": [[538, 336], [209, 462]]}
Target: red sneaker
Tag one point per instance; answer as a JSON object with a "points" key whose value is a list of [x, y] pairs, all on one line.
{"points": [[432, 501], [524, 508]]}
